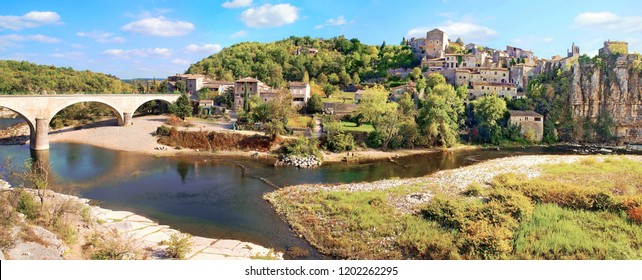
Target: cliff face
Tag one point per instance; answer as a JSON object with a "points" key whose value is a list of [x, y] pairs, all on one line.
{"points": [[613, 87]]}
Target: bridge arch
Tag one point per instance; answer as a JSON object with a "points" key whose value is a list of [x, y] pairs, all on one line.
{"points": [[31, 122], [163, 101], [117, 111]]}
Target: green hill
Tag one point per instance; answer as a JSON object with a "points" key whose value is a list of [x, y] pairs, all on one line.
{"points": [[21, 77], [337, 61]]}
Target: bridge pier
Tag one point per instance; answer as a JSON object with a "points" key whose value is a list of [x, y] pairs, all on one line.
{"points": [[127, 119], [41, 139]]}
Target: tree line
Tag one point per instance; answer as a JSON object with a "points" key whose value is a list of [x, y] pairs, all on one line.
{"points": [[21, 77]]}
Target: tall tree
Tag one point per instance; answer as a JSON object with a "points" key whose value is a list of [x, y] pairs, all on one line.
{"points": [[439, 117], [315, 105], [488, 110], [182, 108], [306, 78]]}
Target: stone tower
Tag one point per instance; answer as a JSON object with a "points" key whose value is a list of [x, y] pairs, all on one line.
{"points": [[436, 43]]}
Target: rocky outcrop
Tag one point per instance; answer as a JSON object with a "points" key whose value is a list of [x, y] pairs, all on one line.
{"points": [[610, 87]]}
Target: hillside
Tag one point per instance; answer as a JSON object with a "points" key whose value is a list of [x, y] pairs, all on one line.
{"points": [[21, 77], [338, 61]]}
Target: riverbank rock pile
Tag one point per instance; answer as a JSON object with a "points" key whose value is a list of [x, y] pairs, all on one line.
{"points": [[306, 162]]}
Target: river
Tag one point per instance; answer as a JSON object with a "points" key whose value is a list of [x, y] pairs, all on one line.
{"points": [[212, 197]]}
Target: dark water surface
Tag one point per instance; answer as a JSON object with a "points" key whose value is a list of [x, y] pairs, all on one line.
{"points": [[7, 122], [212, 197]]}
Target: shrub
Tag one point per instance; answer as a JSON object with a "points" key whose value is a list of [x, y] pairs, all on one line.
{"points": [[110, 246], [512, 202], [340, 142], [473, 189], [375, 139], [162, 130], [482, 240], [452, 213], [421, 241], [178, 245], [302, 147], [635, 214], [28, 205]]}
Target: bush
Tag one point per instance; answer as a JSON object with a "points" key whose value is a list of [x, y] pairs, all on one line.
{"points": [[635, 214], [178, 245], [419, 241], [163, 130], [473, 189], [512, 202], [340, 142], [110, 246], [301, 147], [482, 240], [28, 205], [375, 139]]}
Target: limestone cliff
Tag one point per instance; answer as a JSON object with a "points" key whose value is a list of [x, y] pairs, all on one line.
{"points": [[610, 85]]}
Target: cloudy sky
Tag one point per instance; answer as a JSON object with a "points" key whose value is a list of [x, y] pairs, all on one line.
{"points": [[156, 38]]}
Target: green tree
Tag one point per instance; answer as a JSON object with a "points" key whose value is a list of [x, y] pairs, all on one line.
{"points": [[383, 115], [163, 87], [488, 110], [329, 90], [355, 78], [182, 108], [439, 117], [435, 79], [306, 77], [315, 105], [322, 79], [180, 86]]}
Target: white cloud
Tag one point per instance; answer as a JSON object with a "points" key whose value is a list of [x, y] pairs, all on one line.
{"points": [[239, 34], [341, 20], [102, 37], [159, 26], [270, 15], [29, 20], [77, 46], [179, 61], [155, 52], [203, 48], [237, 4], [469, 32], [69, 55], [609, 21], [8, 40]]}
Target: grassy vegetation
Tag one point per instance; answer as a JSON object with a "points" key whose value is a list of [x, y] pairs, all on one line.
{"points": [[299, 122], [350, 126], [591, 209], [340, 97]]}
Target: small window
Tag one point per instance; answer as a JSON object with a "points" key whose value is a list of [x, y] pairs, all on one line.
{"points": [[538, 119], [525, 118]]}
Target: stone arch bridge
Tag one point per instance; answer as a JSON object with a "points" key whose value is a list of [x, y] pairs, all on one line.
{"points": [[38, 110]]}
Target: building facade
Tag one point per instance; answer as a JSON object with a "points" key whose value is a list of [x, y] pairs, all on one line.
{"points": [[530, 122]]}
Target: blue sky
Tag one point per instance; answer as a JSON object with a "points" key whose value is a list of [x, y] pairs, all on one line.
{"points": [[156, 38]]}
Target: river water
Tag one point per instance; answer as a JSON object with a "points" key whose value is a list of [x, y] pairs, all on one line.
{"points": [[7, 122], [212, 197]]}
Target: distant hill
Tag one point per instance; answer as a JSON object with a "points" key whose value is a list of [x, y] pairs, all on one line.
{"points": [[21, 77], [337, 61]]}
